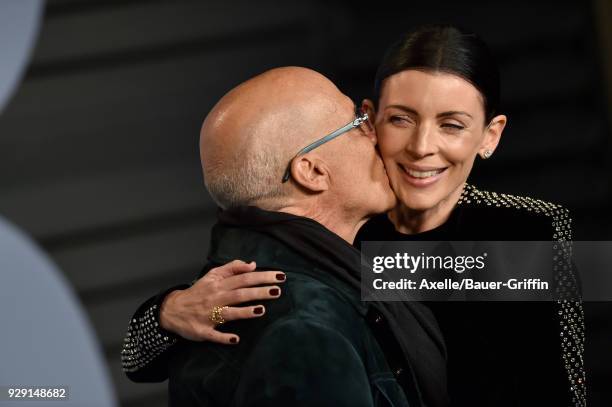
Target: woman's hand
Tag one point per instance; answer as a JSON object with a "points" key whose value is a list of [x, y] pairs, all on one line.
{"points": [[188, 312]]}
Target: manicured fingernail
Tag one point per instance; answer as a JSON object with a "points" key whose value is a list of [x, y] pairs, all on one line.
{"points": [[258, 310], [274, 291], [280, 277], [233, 339]]}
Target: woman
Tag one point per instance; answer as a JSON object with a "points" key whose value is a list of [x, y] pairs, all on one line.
{"points": [[436, 107]]}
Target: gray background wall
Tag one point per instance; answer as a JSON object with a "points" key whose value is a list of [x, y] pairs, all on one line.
{"points": [[98, 148]]}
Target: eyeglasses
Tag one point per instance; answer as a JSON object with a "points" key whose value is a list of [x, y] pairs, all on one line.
{"points": [[361, 119]]}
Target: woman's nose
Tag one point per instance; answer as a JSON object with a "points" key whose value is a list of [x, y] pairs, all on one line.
{"points": [[422, 142]]}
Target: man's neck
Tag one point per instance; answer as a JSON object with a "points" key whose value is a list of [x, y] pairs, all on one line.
{"points": [[337, 222]]}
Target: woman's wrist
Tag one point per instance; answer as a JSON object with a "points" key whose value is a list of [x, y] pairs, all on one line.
{"points": [[166, 320]]}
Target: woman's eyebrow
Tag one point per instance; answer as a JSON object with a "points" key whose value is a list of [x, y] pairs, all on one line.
{"points": [[452, 113], [404, 108], [439, 115]]}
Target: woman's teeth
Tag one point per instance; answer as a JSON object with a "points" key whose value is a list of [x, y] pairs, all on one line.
{"points": [[423, 174]]}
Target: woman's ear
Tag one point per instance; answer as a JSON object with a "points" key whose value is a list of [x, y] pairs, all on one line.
{"points": [[310, 173], [493, 133]]}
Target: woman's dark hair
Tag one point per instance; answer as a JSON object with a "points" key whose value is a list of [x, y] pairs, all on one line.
{"points": [[444, 48]]}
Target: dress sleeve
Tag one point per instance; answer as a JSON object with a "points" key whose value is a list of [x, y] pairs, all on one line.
{"points": [[146, 345], [570, 309]]}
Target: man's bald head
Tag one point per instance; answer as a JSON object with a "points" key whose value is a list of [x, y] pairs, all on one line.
{"points": [[251, 134]]}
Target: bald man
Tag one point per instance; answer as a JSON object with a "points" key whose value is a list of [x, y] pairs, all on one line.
{"points": [[293, 165]]}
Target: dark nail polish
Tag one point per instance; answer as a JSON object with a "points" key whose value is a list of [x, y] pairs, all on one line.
{"points": [[274, 291], [280, 277], [258, 310], [233, 340]]}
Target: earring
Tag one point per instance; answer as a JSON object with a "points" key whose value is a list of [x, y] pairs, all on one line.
{"points": [[487, 154]]}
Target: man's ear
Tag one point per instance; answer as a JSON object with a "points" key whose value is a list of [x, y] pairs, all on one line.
{"points": [[493, 134], [310, 172], [367, 106]]}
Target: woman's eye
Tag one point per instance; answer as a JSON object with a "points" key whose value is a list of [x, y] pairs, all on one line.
{"points": [[399, 120], [451, 126]]}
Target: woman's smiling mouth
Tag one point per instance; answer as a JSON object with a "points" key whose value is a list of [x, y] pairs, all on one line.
{"points": [[421, 176]]}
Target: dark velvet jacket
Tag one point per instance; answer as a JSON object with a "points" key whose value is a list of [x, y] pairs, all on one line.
{"points": [[316, 345]]}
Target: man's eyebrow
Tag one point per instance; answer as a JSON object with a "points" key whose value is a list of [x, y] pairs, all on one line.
{"points": [[454, 112]]}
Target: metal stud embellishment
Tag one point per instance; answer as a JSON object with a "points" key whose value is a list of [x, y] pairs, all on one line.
{"points": [[144, 341], [570, 313]]}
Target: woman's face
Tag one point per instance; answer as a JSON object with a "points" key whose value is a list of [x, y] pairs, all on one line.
{"points": [[430, 128]]}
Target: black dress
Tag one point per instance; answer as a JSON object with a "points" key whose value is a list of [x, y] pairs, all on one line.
{"points": [[505, 353]]}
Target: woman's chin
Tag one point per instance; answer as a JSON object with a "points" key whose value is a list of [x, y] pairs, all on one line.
{"points": [[417, 202]]}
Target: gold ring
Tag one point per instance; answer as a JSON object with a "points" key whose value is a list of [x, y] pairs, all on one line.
{"points": [[216, 316]]}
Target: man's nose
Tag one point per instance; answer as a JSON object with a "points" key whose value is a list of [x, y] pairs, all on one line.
{"points": [[422, 142]]}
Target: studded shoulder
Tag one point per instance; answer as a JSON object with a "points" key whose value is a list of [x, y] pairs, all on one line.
{"points": [[559, 216]]}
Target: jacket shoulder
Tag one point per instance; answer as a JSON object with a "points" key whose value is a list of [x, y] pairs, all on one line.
{"points": [[313, 300], [516, 212]]}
